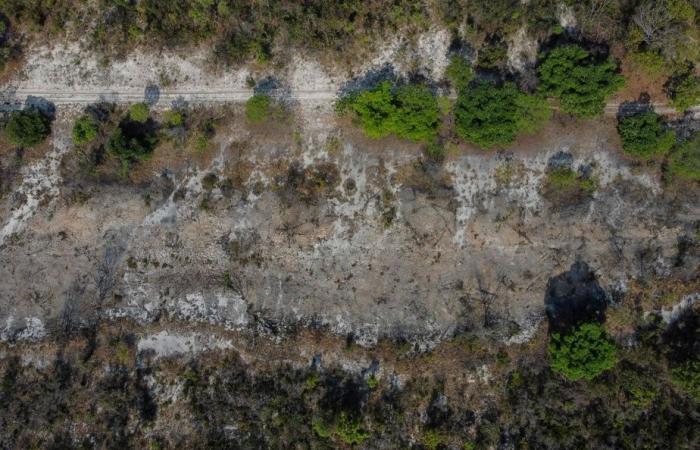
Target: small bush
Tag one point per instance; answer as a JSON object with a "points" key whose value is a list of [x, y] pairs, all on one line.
{"points": [[685, 92], [650, 62], [459, 72], [409, 111], [490, 116], [173, 119], [564, 187], [85, 130], [644, 135], [582, 355], [258, 108], [687, 377], [139, 112], [684, 161], [27, 128], [581, 83]]}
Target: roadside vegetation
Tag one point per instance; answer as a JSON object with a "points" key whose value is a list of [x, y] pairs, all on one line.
{"points": [[409, 111], [580, 80], [645, 135], [489, 115], [27, 128]]}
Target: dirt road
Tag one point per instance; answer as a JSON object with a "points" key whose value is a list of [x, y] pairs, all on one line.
{"points": [[12, 98]]}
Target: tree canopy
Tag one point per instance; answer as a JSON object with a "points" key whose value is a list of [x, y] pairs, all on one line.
{"points": [[583, 354], [488, 115], [27, 128], [644, 135], [408, 111], [578, 80]]}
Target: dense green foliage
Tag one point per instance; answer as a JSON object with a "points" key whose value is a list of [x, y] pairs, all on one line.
{"points": [[459, 72], [27, 128], [685, 92], [85, 130], [490, 116], [407, 111], [139, 112], [583, 354], [644, 135], [684, 161], [581, 83], [257, 108]]}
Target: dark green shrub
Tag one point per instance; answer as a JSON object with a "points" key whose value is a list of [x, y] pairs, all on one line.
{"points": [[132, 142], [684, 161], [685, 92], [27, 128], [490, 116], [258, 108], [583, 354], [644, 135], [85, 130], [581, 83], [409, 111]]}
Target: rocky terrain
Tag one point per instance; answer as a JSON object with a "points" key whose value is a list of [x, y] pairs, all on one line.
{"points": [[297, 284]]}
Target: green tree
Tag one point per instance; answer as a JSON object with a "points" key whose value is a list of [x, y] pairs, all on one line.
{"points": [[139, 112], [84, 130], [583, 354], [258, 108], [581, 83], [27, 128], [685, 92], [374, 110], [409, 111], [417, 113], [644, 135], [490, 116], [684, 161]]}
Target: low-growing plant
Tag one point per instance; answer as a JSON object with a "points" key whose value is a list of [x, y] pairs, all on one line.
{"points": [[85, 130], [258, 108], [685, 91], [644, 135], [584, 354], [27, 128], [564, 187], [687, 377], [684, 160], [139, 112], [459, 72], [173, 118]]}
